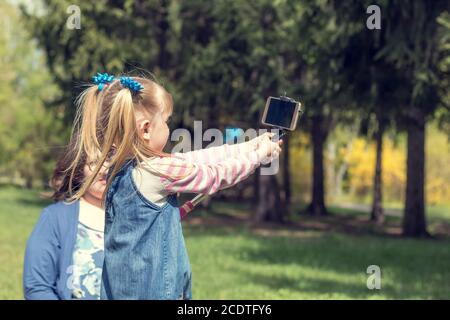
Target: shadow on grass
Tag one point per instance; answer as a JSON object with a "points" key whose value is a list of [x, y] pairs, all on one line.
{"points": [[410, 268], [313, 286]]}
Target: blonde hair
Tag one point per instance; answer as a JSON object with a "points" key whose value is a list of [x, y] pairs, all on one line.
{"points": [[106, 128]]}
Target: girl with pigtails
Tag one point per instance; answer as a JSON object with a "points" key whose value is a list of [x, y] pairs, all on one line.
{"points": [[122, 122]]}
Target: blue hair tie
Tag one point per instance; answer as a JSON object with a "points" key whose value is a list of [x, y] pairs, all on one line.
{"points": [[131, 84], [102, 79]]}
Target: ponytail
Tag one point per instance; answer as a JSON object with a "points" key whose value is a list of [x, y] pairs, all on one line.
{"points": [[84, 133]]}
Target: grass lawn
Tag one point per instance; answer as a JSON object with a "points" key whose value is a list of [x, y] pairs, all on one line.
{"points": [[233, 258]]}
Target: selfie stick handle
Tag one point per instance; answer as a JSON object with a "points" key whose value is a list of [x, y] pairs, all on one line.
{"points": [[189, 205]]}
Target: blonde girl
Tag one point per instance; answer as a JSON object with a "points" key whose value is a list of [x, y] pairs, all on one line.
{"points": [[124, 121]]}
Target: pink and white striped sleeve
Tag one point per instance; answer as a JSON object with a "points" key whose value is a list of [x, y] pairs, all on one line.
{"points": [[185, 176], [216, 154]]}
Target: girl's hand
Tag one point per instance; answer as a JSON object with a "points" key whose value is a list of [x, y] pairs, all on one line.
{"points": [[259, 139], [267, 149]]}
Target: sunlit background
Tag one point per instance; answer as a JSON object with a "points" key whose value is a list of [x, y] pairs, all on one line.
{"points": [[373, 98]]}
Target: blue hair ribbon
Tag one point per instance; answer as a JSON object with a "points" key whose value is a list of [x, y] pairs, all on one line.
{"points": [[133, 85], [102, 80]]}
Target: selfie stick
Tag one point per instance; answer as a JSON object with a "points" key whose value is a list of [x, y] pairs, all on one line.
{"points": [[189, 205]]}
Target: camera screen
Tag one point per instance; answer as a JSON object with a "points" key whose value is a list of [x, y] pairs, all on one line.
{"points": [[280, 113]]}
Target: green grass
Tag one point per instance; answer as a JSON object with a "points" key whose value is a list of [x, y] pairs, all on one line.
{"points": [[19, 210], [238, 265], [232, 259]]}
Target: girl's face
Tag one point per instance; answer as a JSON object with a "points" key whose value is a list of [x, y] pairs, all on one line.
{"points": [[98, 186], [155, 132]]}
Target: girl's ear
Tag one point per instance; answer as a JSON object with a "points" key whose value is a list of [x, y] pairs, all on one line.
{"points": [[145, 129]]}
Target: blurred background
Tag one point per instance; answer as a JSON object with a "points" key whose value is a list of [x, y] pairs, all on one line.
{"points": [[364, 180]]}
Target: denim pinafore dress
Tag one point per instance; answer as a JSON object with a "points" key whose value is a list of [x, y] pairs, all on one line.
{"points": [[145, 253]]}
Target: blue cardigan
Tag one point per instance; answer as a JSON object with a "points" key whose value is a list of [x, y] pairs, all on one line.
{"points": [[49, 251]]}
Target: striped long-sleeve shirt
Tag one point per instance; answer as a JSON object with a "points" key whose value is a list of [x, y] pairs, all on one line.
{"points": [[202, 171]]}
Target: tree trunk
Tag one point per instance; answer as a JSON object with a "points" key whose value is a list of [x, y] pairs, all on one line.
{"points": [[318, 135], [269, 206], [286, 173], [414, 223], [162, 35], [377, 214], [340, 178], [28, 182], [255, 181]]}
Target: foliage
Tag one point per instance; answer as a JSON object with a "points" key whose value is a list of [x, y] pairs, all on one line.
{"points": [[29, 132]]}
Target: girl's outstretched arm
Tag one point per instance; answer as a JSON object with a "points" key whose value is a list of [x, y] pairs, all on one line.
{"points": [[209, 178], [219, 153], [179, 175]]}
